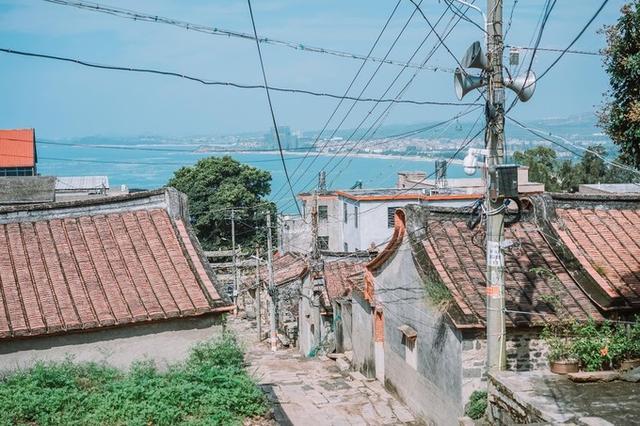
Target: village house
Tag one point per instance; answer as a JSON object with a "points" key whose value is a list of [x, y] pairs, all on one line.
{"points": [[290, 270], [115, 279], [418, 319], [324, 318], [18, 155]]}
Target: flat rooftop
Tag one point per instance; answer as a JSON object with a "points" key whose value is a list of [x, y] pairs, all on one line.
{"points": [[558, 400]]}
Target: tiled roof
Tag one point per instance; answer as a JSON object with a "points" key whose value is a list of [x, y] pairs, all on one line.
{"points": [[17, 148], [287, 267], [341, 276], [606, 243], [536, 283], [85, 265]]}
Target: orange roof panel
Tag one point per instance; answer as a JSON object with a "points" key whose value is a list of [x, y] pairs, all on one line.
{"points": [[17, 148]]}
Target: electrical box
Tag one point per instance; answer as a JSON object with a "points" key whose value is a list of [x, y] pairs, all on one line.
{"points": [[507, 180], [514, 56]]}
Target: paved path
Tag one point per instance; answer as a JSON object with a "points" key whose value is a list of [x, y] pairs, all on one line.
{"points": [[310, 391]]}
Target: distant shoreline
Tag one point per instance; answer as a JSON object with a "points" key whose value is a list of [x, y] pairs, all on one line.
{"points": [[415, 158]]}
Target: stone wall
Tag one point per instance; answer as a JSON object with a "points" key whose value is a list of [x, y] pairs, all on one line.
{"points": [[362, 335], [525, 352]]}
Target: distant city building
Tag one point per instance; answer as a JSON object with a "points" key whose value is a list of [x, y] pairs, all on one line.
{"points": [[18, 155], [288, 140]]}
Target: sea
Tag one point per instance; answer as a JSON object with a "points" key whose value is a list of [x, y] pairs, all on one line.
{"points": [[148, 165]]}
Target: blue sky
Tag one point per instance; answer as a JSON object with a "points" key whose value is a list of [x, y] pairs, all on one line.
{"points": [[65, 100]]}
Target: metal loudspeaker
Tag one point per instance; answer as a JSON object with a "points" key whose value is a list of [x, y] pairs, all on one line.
{"points": [[465, 83], [524, 85], [475, 57]]}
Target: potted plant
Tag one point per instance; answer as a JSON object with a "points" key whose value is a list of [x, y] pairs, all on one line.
{"points": [[595, 345], [560, 342], [627, 345]]}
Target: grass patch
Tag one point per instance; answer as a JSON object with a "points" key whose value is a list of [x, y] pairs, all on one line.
{"points": [[438, 292], [477, 405], [211, 387]]}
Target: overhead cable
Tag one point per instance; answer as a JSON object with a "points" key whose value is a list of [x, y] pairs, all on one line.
{"points": [[273, 115], [216, 83], [145, 17]]}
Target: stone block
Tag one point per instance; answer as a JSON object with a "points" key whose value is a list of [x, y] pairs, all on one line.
{"points": [[468, 373], [593, 376], [343, 364], [467, 345], [632, 375]]}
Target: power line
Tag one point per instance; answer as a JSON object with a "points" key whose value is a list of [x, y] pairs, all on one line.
{"points": [[353, 80], [213, 82], [541, 135], [375, 72], [273, 115], [584, 28], [549, 49], [401, 92], [141, 16]]}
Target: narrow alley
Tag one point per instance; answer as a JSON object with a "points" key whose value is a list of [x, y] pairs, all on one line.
{"points": [[307, 391]]}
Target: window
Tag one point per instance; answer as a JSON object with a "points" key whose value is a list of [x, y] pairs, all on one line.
{"points": [[323, 213], [346, 213], [355, 215], [409, 335], [391, 211], [346, 247], [410, 351], [323, 243]]}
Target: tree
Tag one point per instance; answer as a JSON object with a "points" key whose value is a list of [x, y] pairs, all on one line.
{"points": [[542, 165], [620, 115], [214, 185]]}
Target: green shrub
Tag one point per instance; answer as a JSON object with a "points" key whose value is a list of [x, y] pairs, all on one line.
{"points": [[210, 387], [477, 405]]}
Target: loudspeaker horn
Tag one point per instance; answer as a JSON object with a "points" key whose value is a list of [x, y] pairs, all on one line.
{"points": [[475, 57], [465, 83], [524, 85]]}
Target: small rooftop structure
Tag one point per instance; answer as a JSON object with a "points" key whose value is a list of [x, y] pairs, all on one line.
{"points": [[27, 190], [82, 183], [341, 276], [86, 265], [414, 180], [609, 188], [18, 155]]}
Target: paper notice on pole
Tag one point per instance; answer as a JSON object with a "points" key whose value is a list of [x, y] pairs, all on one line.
{"points": [[494, 254]]}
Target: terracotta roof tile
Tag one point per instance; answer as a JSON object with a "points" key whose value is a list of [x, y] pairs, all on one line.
{"points": [[605, 242], [458, 257], [342, 276], [92, 270]]}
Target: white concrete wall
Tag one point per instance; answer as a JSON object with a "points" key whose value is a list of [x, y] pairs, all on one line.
{"points": [[164, 342]]}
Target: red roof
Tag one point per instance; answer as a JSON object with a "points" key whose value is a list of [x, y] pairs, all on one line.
{"points": [[17, 148], [94, 264], [605, 242], [536, 282], [342, 276]]}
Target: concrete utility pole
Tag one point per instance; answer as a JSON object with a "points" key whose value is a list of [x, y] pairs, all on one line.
{"points": [[235, 268], [494, 142], [258, 301], [272, 290]]}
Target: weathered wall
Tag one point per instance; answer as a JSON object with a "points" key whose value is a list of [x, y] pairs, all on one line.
{"points": [[525, 352], [436, 381], [164, 342], [308, 319], [362, 335]]}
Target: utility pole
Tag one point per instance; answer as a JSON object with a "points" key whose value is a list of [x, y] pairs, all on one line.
{"points": [[494, 143], [317, 269], [272, 290], [235, 268], [258, 301]]}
